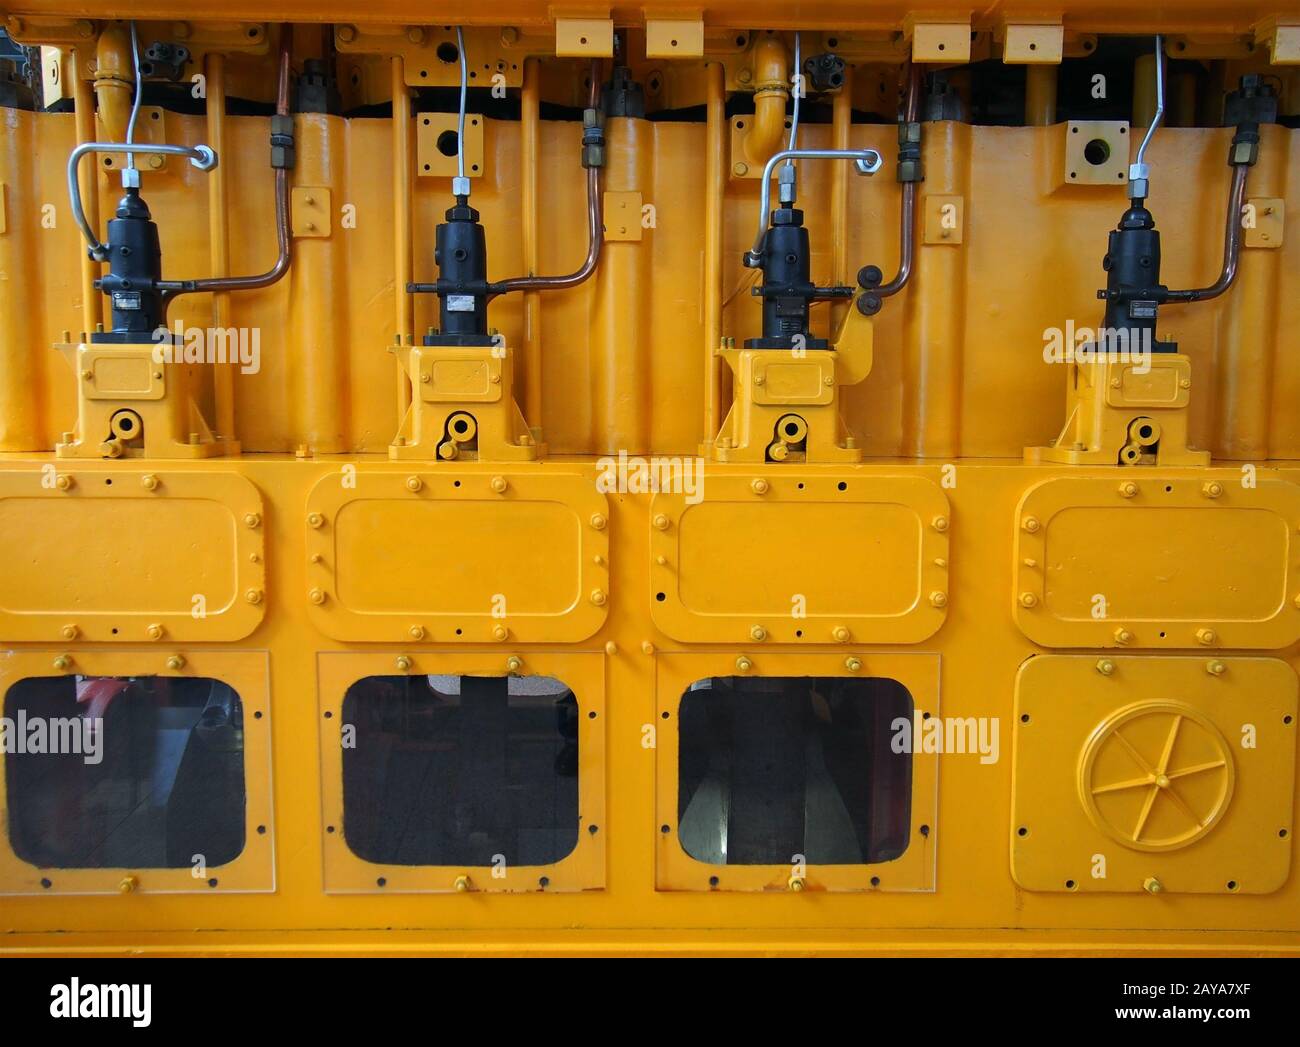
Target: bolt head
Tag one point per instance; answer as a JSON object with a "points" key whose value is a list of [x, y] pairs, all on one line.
{"points": [[840, 634], [1128, 489], [1206, 636], [253, 520], [416, 632], [743, 664], [1123, 636], [760, 486], [1030, 524], [1213, 489], [852, 664], [598, 521], [154, 632], [176, 662], [1152, 886], [611, 648], [1106, 667], [1216, 668], [500, 484], [64, 482], [62, 662], [403, 663], [315, 520], [514, 663], [758, 633], [150, 482], [500, 632], [1028, 600], [69, 632], [598, 597], [939, 598], [414, 484], [940, 523], [317, 596], [661, 522]]}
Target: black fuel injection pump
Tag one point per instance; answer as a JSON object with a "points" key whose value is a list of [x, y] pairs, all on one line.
{"points": [[133, 282]]}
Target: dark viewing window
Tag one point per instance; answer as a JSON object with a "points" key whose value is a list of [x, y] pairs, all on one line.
{"points": [[157, 783], [770, 768], [460, 770]]}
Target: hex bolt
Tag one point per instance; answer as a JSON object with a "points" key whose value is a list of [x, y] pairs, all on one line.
{"points": [[939, 598], [940, 523], [759, 486], [1152, 886], [1030, 524], [414, 484], [852, 664], [462, 883], [1028, 600], [1205, 637], [598, 521], [416, 632], [1123, 636], [155, 631], [149, 482], [69, 632], [315, 520], [1216, 668], [758, 633], [253, 520], [743, 664], [514, 663], [840, 634], [1213, 489], [796, 884], [317, 596], [661, 522], [1128, 489], [647, 647], [127, 884], [1105, 666], [403, 663], [500, 632], [63, 662], [253, 596], [176, 663], [500, 484], [598, 597], [64, 482]]}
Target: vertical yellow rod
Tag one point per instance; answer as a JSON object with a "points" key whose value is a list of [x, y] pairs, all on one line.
{"points": [[22, 349], [405, 317], [223, 378], [88, 178], [528, 131], [841, 119], [715, 187], [1040, 95]]}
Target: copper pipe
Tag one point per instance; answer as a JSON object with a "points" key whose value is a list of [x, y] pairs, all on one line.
{"points": [[173, 288], [907, 218], [595, 229], [1231, 244]]}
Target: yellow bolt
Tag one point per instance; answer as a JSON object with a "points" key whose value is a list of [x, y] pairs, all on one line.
{"points": [[1030, 524], [499, 484], [509, 35], [252, 520], [1028, 600], [1105, 666], [149, 482], [1206, 637], [796, 884], [1123, 636], [155, 162], [939, 523], [1213, 489], [462, 883], [417, 632], [176, 663], [127, 884], [611, 648], [741, 169], [840, 634], [317, 596], [315, 520], [62, 662], [598, 521], [661, 522], [500, 632], [69, 632], [514, 663], [403, 663], [64, 482], [598, 597], [1128, 489], [852, 664], [1152, 885], [414, 484], [1216, 668], [759, 486], [347, 33], [647, 647], [743, 664], [426, 378], [415, 34], [939, 598], [155, 631], [253, 596], [758, 633]]}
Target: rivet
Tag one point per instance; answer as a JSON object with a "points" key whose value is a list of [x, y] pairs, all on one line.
{"points": [[1128, 489], [759, 486], [939, 598], [315, 520], [315, 558], [1123, 636], [416, 632], [598, 560], [939, 523], [598, 597], [1105, 666], [176, 663], [414, 484], [154, 631], [316, 596], [598, 521], [500, 632], [852, 664], [252, 520], [69, 632], [149, 482], [514, 663], [1206, 636], [499, 484], [758, 633], [743, 664], [62, 662], [1213, 489], [1216, 668], [760, 379], [1028, 600], [1030, 524], [403, 663], [661, 522], [840, 634], [611, 648]]}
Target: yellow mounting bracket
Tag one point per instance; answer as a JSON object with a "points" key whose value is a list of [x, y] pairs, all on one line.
{"points": [[136, 401], [785, 406], [462, 406], [1122, 412]]}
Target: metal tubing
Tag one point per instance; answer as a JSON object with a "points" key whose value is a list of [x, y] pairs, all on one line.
{"points": [[1231, 244], [715, 185]]}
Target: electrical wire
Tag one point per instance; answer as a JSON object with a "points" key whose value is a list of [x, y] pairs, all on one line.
{"points": [[797, 86], [464, 93], [139, 91]]}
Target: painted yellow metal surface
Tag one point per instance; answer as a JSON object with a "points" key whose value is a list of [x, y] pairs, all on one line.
{"points": [[946, 504]]}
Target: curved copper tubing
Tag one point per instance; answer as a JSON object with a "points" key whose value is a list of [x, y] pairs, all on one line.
{"points": [[173, 288], [1231, 244], [595, 229], [907, 220]]}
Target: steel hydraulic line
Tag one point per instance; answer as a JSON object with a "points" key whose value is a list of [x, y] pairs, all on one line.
{"points": [[595, 231]]}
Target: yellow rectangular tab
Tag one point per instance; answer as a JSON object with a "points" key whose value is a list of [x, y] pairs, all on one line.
{"points": [[1033, 44], [311, 211], [674, 38], [944, 219], [584, 37], [435, 145], [947, 42], [622, 216], [1282, 41], [1264, 221]]}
